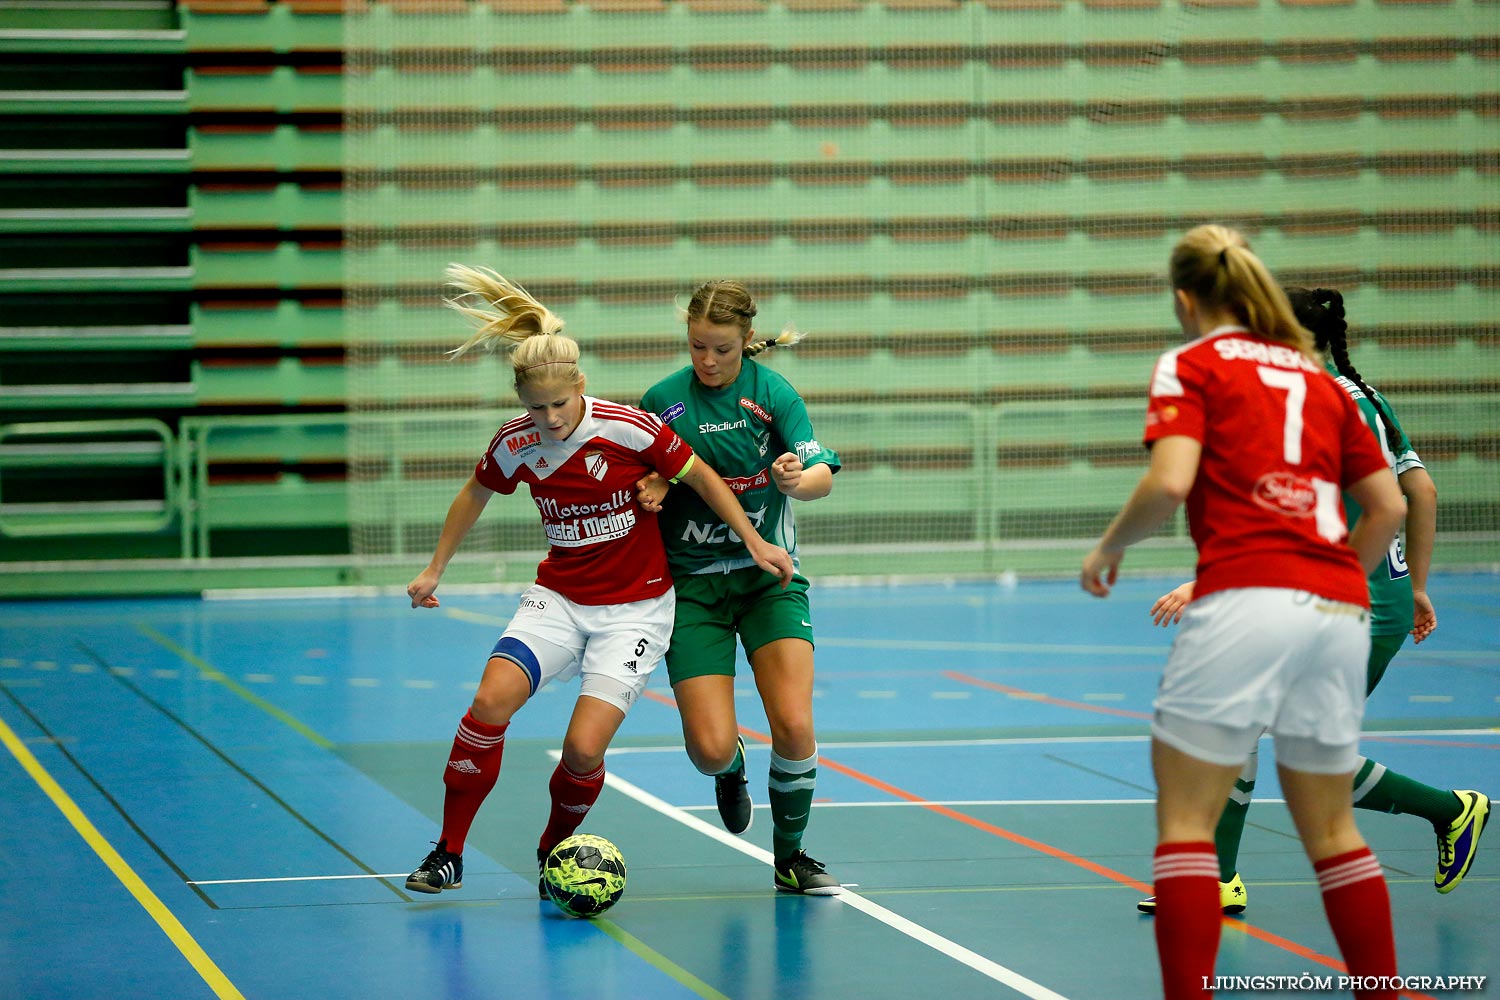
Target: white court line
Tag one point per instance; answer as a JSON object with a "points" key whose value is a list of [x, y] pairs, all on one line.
{"points": [[290, 878], [961, 646], [1038, 740], [917, 932]]}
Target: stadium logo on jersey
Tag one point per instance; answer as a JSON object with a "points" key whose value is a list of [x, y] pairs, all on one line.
{"points": [[807, 449], [672, 412], [749, 404], [1286, 493], [518, 443], [727, 425], [595, 463]]}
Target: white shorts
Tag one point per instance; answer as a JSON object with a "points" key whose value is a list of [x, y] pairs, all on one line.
{"points": [[614, 646], [1265, 658]]}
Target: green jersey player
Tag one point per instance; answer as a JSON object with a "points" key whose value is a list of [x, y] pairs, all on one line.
{"points": [[750, 423], [1399, 606]]}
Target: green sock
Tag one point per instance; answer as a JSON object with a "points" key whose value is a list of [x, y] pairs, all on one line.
{"points": [[1381, 790], [791, 795], [734, 765], [1232, 822]]}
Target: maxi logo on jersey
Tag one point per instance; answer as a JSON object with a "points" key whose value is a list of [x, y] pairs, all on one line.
{"points": [[518, 443], [574, 525]]}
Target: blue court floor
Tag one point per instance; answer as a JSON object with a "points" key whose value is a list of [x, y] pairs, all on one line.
{"points": [[221, 798]]}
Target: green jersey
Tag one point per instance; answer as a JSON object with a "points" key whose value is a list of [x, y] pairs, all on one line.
{"points": [[1390, 584], [739, 429]]}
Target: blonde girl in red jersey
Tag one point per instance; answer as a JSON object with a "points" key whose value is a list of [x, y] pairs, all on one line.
{"points": [[603, 603], [1254, 437]]}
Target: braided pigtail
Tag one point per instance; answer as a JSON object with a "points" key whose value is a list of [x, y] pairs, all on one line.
{"points": [[786, 338], [1321, 310]]}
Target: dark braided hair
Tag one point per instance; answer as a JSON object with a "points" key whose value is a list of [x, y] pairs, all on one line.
{"points": [[1321, 310]]}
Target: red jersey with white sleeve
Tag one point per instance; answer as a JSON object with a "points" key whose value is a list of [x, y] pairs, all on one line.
{"points": [[1280, 441], [604, 549]]}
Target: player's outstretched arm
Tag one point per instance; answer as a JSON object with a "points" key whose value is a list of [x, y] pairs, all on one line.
{"points": [[721, 499], [1174, 467], [1421, 528], [799, 482], [1381, 509], [462, 514], [1169, 607]]}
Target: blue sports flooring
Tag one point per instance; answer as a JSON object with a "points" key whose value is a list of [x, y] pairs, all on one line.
{"points": [[207, 798]]}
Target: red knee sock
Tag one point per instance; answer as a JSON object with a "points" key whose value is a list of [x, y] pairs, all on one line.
{"points": [[1187, 916], [473, 766], [1359, 910], [572, 797]]}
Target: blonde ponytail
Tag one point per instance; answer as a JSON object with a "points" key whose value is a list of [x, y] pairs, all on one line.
{"points": [[1216, 266], [506, 313]]}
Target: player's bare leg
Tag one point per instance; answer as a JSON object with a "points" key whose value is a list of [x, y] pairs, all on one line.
{"points": [[579, 776], [712, 735], [472, 769], [784, 678], [1355, 896]]}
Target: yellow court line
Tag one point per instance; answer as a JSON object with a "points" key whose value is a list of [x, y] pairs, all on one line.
{"points": [[212, 673], [659, 960], [164, 918]]}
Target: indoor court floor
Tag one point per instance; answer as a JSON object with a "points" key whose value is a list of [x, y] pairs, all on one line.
{"points": [[222, 797]]}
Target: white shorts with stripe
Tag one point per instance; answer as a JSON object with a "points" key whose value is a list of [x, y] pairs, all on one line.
{"points": [[1266, 658], [614, 647]]}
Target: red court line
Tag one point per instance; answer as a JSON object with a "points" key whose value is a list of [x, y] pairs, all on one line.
{"points": [[1259, 934], [1045, 699]]}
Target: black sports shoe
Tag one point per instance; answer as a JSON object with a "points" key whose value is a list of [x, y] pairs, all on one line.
{"points": [[800, 873], [442, 869], [732, 792]]}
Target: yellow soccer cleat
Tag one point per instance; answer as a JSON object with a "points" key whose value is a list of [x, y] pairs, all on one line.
{"points": [[1458, 844], [1231, 897]]}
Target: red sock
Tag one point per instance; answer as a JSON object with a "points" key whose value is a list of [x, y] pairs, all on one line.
{"points": [[473, 766], [1359, 910], [1187, 916], [572, 797]]}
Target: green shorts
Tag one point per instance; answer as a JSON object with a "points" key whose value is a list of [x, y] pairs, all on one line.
{"points": [[713, 607], [1383, 648]]}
